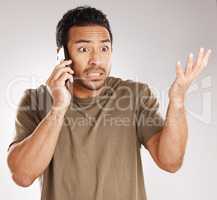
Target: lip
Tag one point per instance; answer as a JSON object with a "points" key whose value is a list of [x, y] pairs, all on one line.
{"points": [[95, 75]]}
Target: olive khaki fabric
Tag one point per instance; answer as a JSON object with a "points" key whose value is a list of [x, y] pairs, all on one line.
{"points": [[97, 156]]}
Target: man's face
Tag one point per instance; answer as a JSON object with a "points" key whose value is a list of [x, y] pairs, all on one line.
{"points": [[90, 50]]}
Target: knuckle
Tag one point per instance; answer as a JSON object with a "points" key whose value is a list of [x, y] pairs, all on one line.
{"points": [[71, 70]]}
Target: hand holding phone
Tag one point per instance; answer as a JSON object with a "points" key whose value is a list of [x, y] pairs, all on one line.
{"points": [[59, 80]]}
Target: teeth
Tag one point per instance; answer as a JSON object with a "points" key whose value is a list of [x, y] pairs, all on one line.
{"points": [[94, 74]]}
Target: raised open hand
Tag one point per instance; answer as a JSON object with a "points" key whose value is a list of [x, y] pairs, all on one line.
{"points": [[184, 79]]}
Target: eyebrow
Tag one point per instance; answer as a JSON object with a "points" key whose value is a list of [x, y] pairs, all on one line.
{"points": [[89, 41]]}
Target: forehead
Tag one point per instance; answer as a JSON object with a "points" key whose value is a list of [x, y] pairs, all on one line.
{"points": [[92, 33]]}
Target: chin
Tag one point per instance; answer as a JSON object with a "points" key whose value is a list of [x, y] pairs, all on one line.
{"points": [[93, 84]]}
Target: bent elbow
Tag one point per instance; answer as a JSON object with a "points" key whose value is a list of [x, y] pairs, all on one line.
{"points": [[23, 181], [20, 177], [171, 167]]}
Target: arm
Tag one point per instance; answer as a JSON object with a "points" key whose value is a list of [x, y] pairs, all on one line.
{"points": [[29, 158], [167, 148]]}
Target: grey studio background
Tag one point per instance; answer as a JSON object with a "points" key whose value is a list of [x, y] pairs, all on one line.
{"points": [[149, 37]]}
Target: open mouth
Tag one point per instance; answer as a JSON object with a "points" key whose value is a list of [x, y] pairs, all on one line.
{"points": [[95, 75]]}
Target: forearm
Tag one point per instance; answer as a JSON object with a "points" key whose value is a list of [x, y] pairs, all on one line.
{"points": [[173, 138], [30, 157]]}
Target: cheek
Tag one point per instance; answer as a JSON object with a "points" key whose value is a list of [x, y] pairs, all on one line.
{"points": [[107, 60], [80, 62]]}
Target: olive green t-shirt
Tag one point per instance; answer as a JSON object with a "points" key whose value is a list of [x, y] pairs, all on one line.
{"points": [[97, 156]]}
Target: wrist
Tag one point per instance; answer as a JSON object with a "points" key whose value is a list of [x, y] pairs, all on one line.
{"points": [[57, 113], [178, 103], [59, 108]]}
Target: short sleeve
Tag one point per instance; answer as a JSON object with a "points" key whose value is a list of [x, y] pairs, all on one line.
{"points": [[148, 118], [26, 119]]}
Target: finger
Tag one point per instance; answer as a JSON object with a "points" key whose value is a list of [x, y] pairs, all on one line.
{"points": [[206, 57], [60, 71], [202, 64], [189, 65], [199, 58], [179, 70], [71, 80], [68, 83], [63, 78], [61, 61], [64, 63]]}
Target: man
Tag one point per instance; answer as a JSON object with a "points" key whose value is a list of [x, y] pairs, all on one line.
{"points": [[83, 137]]}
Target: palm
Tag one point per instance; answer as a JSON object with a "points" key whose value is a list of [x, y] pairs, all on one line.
{"points": [[184, 78]]}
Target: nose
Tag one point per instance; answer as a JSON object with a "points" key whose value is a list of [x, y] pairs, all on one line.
{"points": [[95, 58]]}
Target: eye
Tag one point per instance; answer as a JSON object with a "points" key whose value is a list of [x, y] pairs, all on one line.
{"points": [[105, 48], [83, 49]]}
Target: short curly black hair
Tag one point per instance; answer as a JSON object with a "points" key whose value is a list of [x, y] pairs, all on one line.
{"points": [[80, 16]]}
